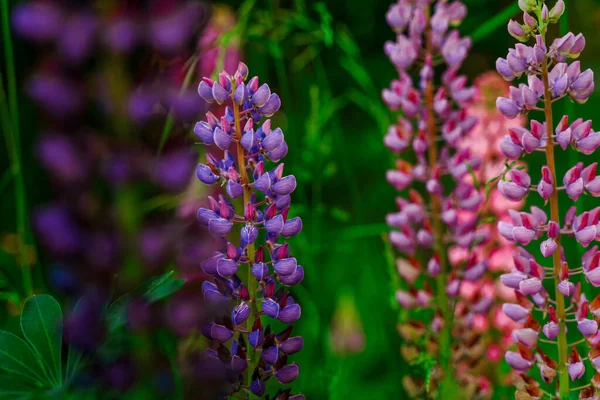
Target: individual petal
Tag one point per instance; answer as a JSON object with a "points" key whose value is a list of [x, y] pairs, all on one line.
{"points": [[273, 140], [271, 106], [526, 336], [551, 330], [226, 267], [270, 308], [219, 226], [234, 189], [287, 374], [576, 370], [516, 361], [204, 132], [587, 327], [292, 227], [285, 266], [290, 314], [260, 271], [294, 278], [205, 174], [260, 97], [292, 345], [515, 312], [222, 139], [263, 183], [285, 185], [275, 224], [530, 286], [548, 247], [507, 108], [240, 313]]}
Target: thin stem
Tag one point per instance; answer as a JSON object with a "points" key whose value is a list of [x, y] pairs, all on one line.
{"points": [[554, 212], [251, 282], [15, 151], [438, 232]]}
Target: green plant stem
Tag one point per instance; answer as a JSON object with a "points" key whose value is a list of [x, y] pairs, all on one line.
{"points": [[444, 352], [15, 150], [563, 375], [250, 282]]}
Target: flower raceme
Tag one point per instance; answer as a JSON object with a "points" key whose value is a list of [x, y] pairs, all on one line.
{"points": [[441, 209], [258, 270], [550, 299]]}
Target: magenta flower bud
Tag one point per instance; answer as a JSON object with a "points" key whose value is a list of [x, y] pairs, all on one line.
{"points": [[573, 182], [545, 186], [399, 179], [516, 30], [557, 11]]}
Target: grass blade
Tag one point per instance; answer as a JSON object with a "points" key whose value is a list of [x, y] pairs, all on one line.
{"points": [[494, 23]]}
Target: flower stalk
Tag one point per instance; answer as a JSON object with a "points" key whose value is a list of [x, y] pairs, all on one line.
{"points": [[554, 214]]}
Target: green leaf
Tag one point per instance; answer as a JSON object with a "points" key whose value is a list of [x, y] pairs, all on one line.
{"points": [[13, 389], [74, 363], [498, 20], [41, 323], [19, 361]]}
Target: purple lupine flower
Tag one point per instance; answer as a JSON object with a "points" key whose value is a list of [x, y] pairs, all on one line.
{"points": [[550, 77], [428, 223], [269, 265]]}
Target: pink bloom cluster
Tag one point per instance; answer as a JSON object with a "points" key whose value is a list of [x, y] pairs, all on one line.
{"points": [[441, 208]]}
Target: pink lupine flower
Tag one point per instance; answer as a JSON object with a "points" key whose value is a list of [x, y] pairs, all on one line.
{"points": [[550, 77]]}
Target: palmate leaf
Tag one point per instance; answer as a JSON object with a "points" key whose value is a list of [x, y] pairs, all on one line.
{"points": [[19, 362], [13, 389], [41, 323]]}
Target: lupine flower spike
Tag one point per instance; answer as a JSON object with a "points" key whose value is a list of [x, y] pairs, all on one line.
{"points": [[549, 288], [256, 272], [432, 123]]}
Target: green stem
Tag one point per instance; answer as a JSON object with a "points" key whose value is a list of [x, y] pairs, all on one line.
{"points": [[555, 216], [444, 339], [250, 282], [15, 150]]}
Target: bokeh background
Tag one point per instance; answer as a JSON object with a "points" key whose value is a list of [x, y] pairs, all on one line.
{"points": [[325, 59]]}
